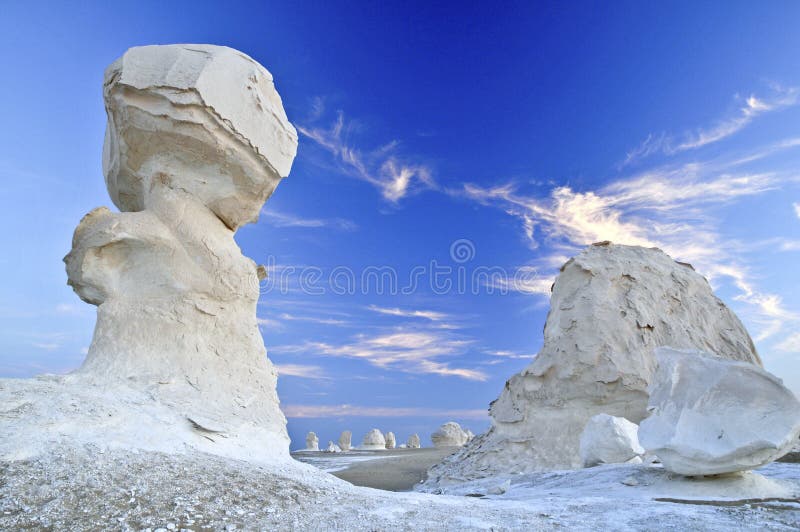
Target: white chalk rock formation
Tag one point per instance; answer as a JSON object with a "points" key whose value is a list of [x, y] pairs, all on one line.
{"points": [[374, 441], [470, 434], [413, 442], [345, 440], [333, 448], [611, 306], [312, 442], [196, 141], [609, 440], [449, 435], [390, 441], [710, 416]]}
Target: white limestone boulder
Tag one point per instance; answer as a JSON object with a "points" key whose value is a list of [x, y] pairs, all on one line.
{"points": [[710, 416], [345, 440], [610, 307], [390, 440], [609, 440], [312, 442], [413, 441], [333, 448], [207, 118], [374, 441], [449, 435]]}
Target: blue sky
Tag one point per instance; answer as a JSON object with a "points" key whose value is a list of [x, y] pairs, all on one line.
{"points": [[474, 138]]}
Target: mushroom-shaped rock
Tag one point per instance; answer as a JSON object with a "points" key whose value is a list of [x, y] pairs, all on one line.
{"points": [[196, 141], [312, 442], [345, 440], [610, 307], [710, 416], [609, 440], [413, 441], [374, 441], [449, 435], [390, 440]]}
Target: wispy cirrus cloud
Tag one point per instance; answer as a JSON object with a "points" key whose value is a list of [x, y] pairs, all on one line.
{"points": [[406, 350], [406, 313], [301, 370], [749, 109], [796, 209], [344, 410], [381, 167], [280, 219]]}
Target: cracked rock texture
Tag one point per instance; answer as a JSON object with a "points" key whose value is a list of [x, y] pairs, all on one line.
{"points": [[710, 416], [611, 306], [196, 142]]}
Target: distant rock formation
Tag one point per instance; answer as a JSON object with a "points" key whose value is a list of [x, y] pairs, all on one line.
{"points": [[345, 440], [710, 416], [413, 441], [196, 141], [374, 441], [333, 448], [312, 442], [450, 435], [609, 440], [390, 441], [611, 306]]}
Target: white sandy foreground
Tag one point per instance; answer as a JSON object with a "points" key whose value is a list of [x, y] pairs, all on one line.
{"points": [[89, 488]]}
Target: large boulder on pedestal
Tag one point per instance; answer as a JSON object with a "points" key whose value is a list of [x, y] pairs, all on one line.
{"points": [[611, 306], [710, 416]]}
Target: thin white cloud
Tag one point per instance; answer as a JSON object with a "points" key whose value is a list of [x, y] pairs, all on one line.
{"points": [[750, 108], [409, 351], [301, 370], [279, 219], [403, 313], [46, 346], [313, 319], [505, 353], [381, 167], [796, 209], [329, 411], [269, 323], [791, 344]]}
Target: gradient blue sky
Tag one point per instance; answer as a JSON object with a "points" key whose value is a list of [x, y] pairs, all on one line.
{"points": [[529, 130]]}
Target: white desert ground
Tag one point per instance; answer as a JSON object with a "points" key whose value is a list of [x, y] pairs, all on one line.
{"points": [[646, 409]]}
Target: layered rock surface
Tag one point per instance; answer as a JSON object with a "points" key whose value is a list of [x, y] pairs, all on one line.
{"points": [[196, 141], [390, 440], [611, 306], [710, 416]]}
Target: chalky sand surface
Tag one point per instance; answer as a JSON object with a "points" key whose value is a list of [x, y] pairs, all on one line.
{"points": [[173, 420], [611, 306]]}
